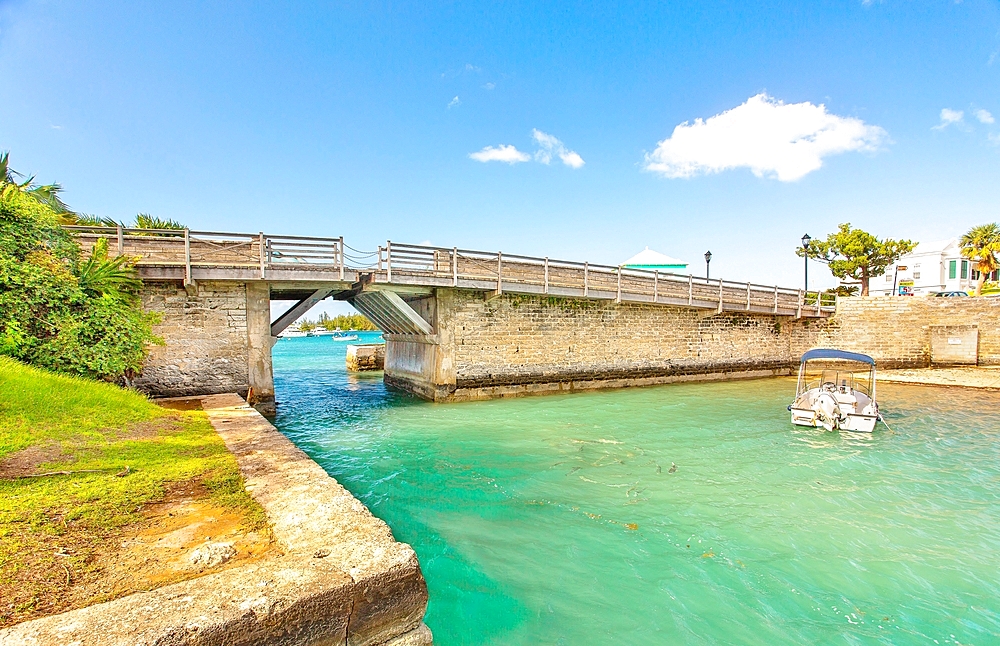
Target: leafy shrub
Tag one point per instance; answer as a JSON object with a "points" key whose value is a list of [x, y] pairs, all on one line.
{"points": [[80, 317]]}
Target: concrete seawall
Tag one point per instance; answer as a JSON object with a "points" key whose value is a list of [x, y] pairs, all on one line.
{"points": [[341, 577]]}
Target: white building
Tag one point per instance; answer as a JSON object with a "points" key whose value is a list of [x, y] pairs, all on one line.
{"points": [[930, 267]]}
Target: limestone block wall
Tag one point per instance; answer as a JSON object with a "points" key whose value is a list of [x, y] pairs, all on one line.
{"points": [[514, 339], [206, 340], [896, 331], [490, 346]]}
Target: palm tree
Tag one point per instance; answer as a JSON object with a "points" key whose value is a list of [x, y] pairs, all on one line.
{"points": [[47, 194], [100, 275], [981, 244], [147, 221]]}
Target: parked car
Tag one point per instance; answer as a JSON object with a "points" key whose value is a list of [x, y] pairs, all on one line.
{"points": [[950, 294]]}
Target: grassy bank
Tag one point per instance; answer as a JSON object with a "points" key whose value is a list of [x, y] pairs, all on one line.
{"points": [[79, 463]]}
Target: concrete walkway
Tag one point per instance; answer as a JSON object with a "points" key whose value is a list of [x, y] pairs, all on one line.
{"points": [[966, 377], [340, 578]]}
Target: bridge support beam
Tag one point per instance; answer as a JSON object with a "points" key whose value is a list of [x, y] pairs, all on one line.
{"points": [[260, 373]]}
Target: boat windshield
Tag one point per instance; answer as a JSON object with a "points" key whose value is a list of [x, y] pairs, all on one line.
{"points": [[843, 376]]}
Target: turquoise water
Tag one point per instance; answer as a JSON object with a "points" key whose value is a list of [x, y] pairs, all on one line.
{"points": [[559, 520]]}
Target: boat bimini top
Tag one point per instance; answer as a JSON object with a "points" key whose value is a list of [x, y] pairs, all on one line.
{"points": [[843, 355]]}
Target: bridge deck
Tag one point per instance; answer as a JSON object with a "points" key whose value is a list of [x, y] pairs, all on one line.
{"points": [[294, 265]]}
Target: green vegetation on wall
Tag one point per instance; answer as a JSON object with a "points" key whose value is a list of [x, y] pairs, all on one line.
{"points": [[58, 310]]}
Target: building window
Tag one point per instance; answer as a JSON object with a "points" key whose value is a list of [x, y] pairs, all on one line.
{"points": [[975, 274], [965, 269], [888, 278], [916, 275], [952, 266]]}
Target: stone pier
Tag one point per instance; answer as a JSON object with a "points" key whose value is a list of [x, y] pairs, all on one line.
{"points": [[217, 339]]}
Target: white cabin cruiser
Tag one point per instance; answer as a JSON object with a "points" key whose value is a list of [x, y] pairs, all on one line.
{"points": [[836, 391]]}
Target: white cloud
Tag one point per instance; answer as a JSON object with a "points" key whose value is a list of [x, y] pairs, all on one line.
{"points": [[773, 139], [489, 86], [549, 146], [453, 103], [502, 153], [949, 117], [984, 116]]}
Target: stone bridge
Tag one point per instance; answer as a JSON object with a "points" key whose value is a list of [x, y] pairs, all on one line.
{"points": [[459, 324]]}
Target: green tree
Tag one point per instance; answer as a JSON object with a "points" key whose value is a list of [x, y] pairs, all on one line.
{"points": [[981, 244], [856, 255], [147, 221], [358, 322], [60, 312]]}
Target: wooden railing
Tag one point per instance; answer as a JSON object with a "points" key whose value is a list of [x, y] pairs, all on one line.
{"points": [[188, 249], [431, 266], [525, 274]]}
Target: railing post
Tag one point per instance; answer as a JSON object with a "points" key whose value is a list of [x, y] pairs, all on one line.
{"points": [[341, 249], [499, 273], [690, 289], [121, 240], [379, 258], [388, 261], [187, 255], [546, 274], [618, 297], [260, 241], [798, 309], [586, 269], [656, 285], [748, 297], [775, 299], [819, 302], [454, 267], [720, 296]]}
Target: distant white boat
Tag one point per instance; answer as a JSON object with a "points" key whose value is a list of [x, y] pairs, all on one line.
{"points": [[836, 391], [344, 337]]}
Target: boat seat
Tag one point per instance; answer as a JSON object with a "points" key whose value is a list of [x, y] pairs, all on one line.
{"points": [[846, 398]]}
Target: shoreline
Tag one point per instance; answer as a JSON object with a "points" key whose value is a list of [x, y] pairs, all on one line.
{"points": [[981, 377]]}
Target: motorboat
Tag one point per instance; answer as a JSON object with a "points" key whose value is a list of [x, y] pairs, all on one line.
{"points": [[836, 391], [344, 337]]}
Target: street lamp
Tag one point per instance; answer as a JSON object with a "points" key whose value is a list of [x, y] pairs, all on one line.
{"points": [[708, 259], [805, 255]]}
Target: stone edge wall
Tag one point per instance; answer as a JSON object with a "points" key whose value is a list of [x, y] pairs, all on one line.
{"points": [[896, 330], [339, 578]]}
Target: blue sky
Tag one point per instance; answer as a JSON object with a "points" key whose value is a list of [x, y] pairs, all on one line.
{"points": [[342, 119]]}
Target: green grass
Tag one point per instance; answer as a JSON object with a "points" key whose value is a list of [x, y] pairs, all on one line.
{"points": [[84, 425]]}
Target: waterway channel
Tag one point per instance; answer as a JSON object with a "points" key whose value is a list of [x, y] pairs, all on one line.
{"points": [[680, 514]]}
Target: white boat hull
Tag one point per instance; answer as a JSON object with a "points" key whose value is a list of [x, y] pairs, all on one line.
{"points": [[857, 423]]}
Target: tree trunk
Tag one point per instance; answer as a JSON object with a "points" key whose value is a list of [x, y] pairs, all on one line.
{"points": [[864, 282], [979, 284]]}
